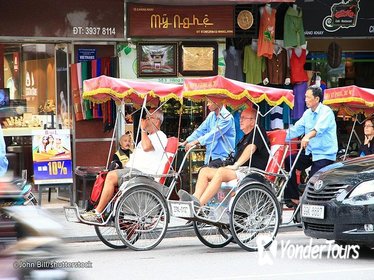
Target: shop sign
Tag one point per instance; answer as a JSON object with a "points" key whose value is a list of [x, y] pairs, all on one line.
{"points": [[94, 19], [51, 154], [86, 55], [180, 21], [334, 18]]}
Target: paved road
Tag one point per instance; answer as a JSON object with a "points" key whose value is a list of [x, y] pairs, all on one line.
{"points": [[187, 258]]}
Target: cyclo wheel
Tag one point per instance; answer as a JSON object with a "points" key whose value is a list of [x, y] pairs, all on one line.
{"points": [[108, 235], [142, 218], [255, 217], [211, 235]]}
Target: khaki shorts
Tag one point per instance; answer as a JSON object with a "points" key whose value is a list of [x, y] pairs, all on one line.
{"points": [[239, 175], [121, 174]]}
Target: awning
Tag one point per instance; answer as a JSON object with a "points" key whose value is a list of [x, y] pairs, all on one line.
{"points": [[350, 99]]}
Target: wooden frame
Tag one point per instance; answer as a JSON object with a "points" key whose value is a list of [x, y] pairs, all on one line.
{"points": [[157, 59], [198, 58]]}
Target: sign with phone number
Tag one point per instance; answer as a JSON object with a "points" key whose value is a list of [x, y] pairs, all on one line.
{"points": [[94, 30]]}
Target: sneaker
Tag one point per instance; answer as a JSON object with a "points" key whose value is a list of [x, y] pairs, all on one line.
{"points": [[185, 196], [92, 216]]}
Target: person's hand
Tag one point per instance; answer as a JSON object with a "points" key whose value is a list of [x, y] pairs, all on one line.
{"points": [[265, 81], [287, 81], [182, 144], [143, 124], [190, 145], [235, 166], [304, 142], [368, 138]]}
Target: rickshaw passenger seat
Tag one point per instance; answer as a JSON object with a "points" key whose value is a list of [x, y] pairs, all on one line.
{"points": [[170, 150], [278, 149]]}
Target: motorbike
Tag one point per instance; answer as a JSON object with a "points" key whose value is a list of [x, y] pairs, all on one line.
{"points": [[16, 192], [30, 241]]}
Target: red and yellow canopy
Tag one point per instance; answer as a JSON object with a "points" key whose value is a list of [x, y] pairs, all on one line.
{"points": [[103, 88], [234, 93], [231, 92], [350, 99]]}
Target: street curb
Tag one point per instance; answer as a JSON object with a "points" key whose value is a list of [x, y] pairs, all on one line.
{"points": [[179, 231]]}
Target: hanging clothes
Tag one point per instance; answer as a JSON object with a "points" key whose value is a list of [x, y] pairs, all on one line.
{"points": [[93, 75], [80, 86], [276, 118], [293, 28], [299, 91], [234, 64], [276, 69], [253, 66], [98, 73], [298, 74], [86, 74], [76, 93], [266, 35]]}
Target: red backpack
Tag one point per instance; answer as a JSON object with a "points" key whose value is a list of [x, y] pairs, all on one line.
{"points": [[97, 188]]}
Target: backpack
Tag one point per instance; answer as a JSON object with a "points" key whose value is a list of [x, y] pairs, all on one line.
{"points": [[97, 189]]}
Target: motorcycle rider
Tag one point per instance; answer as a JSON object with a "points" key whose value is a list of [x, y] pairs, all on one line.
{"points": [[3, 159]]}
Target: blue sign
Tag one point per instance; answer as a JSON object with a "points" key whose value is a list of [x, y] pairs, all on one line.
{"points": [[86, 55]]}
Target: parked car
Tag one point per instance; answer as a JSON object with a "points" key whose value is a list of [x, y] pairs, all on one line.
{"points": [[338, 203]]}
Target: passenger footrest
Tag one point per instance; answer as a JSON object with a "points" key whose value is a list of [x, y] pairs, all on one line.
{"points": [[72, 214]]}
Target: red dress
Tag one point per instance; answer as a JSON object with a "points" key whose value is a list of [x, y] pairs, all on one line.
{"points": [[298, 74], [266, 35]]}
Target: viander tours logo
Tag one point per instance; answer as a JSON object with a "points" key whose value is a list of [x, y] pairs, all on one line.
{"points": [[289, 250]]}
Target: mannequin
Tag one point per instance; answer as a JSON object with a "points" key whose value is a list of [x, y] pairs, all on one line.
{"points": [[298, 50], [267, 7], [254, 45]]}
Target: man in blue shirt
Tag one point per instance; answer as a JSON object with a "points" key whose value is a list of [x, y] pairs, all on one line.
{"points": [[216, 133], [320, 142], [3, 159]]}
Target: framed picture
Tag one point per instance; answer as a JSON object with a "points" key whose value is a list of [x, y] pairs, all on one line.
{"points": [[198, 58], [157, 59]]}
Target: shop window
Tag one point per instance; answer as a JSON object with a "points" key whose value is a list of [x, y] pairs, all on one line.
{"points": [[356, 68], [37, 88]]}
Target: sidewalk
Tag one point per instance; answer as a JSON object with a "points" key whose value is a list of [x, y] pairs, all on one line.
{"points": [[77, 232]]}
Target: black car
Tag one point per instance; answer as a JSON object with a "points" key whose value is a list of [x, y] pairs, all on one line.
{"points": [[338, 203]]}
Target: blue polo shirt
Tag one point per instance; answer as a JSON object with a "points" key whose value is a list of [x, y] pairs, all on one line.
{"points": [[325, 144], [217, 134]]}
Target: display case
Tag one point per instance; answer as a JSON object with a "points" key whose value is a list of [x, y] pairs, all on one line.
{"points": [[195, 162], [180, 121]]}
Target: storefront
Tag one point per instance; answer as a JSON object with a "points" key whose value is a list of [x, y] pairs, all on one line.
{"points": [[340, 38], [38, 44]]}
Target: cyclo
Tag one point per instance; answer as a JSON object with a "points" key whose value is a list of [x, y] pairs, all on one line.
{"points": [[139, 213]]}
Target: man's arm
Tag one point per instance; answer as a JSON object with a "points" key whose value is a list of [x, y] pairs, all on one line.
{"points": [[201, 130], [307, 137], [218, 131], [244, 157], [297, 130], [192, 140], [146, 142]]}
